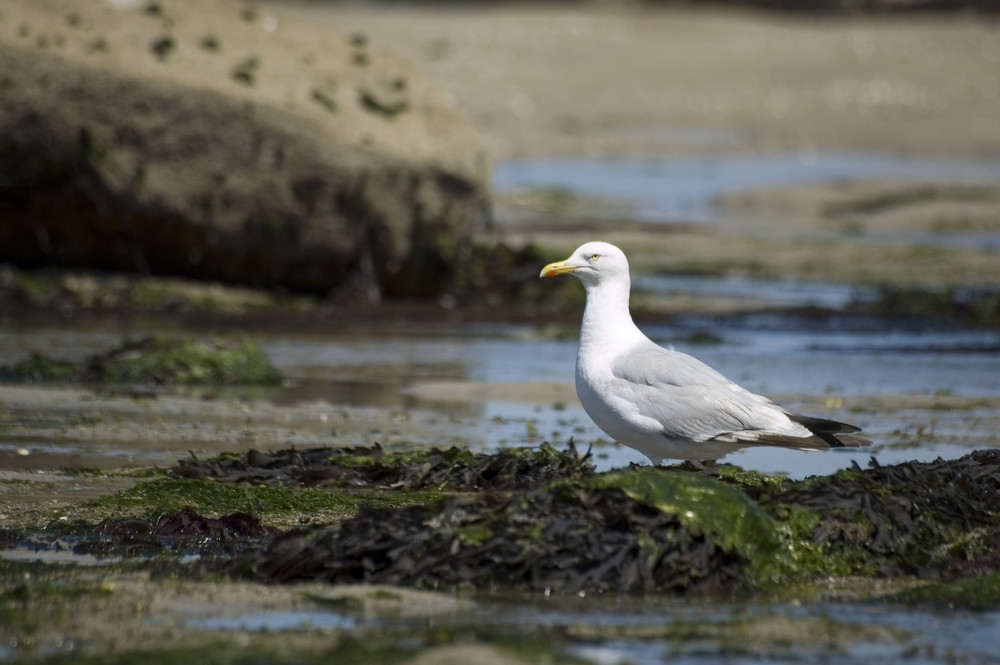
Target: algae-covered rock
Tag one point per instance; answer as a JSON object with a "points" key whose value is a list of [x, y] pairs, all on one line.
{"points": [[157, 361], [539, 520], [927, 519], [567, 539], [160, 361], [924, 519], [724, 512], [193, 141]]}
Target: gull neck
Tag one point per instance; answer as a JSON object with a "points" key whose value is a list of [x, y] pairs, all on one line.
{"points": [[607, 321]]}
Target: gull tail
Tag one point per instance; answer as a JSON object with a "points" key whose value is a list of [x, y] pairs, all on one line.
{"points": [[825, 434], [834, 434]]}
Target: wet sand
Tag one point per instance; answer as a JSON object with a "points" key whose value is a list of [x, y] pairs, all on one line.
{"points": [[614, 80]]}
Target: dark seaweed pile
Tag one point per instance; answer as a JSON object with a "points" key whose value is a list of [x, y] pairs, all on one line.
{"points": [[184, 532], [520, 529], [929, 519], [563, 540], [454, 469]]}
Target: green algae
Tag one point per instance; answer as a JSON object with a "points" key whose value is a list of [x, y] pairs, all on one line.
{"points": [[746, 480], [39, 367], [724, 512], [815, 560], [737, 511], [164, 360], [157, 360], [474, 534], [276, 503]]}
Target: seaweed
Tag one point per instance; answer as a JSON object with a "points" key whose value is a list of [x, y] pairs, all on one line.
{"points": [[930, 520], [570, 539], [454, 469], [541, 520], [184, 532]]}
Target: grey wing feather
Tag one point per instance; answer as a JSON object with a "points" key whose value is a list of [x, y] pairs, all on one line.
{"points": [[689, 398], [656, 366]]}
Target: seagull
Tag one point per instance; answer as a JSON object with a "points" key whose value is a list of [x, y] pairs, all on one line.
{"points": [[661, 402]]}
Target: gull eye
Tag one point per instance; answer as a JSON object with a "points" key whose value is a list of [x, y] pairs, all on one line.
{"points": [[594, 257]]}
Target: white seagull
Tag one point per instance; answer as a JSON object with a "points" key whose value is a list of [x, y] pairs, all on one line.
{"points": [[664, 403]]}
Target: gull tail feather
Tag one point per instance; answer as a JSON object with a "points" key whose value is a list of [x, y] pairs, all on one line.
{"points": [[835, 434], [826, 434]]}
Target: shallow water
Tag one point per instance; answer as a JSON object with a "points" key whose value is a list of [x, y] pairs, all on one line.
{"points": [[684, 189], [770, 292], [938, 389], [502, 401], [611, 629], [271, 621]]}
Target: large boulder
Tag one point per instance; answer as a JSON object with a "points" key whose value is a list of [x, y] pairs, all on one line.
{"points": [[215, 140]]}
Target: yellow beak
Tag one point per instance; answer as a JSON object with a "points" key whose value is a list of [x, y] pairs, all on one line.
{"points": [[557, 268]]}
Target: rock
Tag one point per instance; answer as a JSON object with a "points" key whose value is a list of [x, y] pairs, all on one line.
{"points": [[220, 142], [156, 361]]}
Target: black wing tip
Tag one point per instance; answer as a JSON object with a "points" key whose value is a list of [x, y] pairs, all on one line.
{"points": [[845, 441], [833, 432], [822, 425]]}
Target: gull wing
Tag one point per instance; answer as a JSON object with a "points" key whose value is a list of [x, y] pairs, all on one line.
{"points": [[691, 400]]}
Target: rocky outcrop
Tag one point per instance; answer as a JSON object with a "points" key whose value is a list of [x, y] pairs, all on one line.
{"points": [[216, 141]]}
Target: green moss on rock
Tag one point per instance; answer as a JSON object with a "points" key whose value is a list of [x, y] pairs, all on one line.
{"points": [[158, 361], [163, 360], [723, 512]]}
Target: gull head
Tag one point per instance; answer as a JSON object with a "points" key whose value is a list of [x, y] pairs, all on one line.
{"points": [[592, 263]]}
